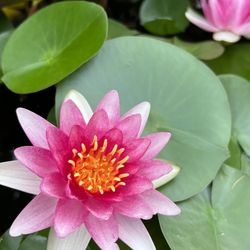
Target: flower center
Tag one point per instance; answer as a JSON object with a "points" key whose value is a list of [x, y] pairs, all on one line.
{"points": [[96, 170]]}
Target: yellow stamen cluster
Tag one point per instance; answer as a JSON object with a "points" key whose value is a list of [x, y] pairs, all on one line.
{"points": [[96, 170]]}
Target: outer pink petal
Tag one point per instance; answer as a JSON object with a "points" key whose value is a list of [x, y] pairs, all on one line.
{"points": [[141, 109], [70, 115], [54, 185], [134, 234], [104, 232], [59, 146], [199, 21], [15, 175], [154, 169], [130, 127], [38, 160], [134, 206], [159, 203], [157, 142], [34, 127], [99, 209], [69, 216], [98, 125], [37, 215], [111, 105], [136, 149]]}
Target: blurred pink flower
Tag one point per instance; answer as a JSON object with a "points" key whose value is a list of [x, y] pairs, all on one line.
{"points": [[227, 19], [93, 176]]}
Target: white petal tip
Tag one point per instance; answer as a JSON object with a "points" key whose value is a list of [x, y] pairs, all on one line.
{"points": [[226, 36], [81, 103], [166, 178]]}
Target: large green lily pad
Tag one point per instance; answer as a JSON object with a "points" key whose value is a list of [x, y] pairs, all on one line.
{"points": [[238, 91], [217, 218], [193, 107], [47, 47]]}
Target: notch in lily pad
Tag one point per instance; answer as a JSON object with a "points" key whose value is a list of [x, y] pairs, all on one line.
{"points": [[51, 44]]}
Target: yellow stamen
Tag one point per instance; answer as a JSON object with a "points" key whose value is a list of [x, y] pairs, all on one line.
{"points": [[96, 170]]}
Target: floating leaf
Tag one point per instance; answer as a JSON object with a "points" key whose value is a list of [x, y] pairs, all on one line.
{"points": [[193, 107], [32, 242], [47, 47], [164, 17], [9, 243], [206, 50], [214, 219], [238, 91], [117, 29], [235, 60]]}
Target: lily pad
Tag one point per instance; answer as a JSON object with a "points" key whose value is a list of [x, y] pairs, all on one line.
{"points": [[238, 91], [193, 107], [117, 29], [164, 17], [218, 217], [235, 60], [47, 47]]}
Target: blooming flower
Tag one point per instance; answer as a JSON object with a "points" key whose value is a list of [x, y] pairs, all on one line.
{"points": [[93, 176], [227, 19]]}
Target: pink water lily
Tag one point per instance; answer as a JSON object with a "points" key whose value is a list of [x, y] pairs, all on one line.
{"points": [[93, 176], [227, 19]]}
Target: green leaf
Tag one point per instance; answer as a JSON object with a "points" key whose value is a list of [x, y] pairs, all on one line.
{"points": [[5, 32], [206, 50], [193, 107], [238, 91], [235, 60], [34, 242], [51, 44], [9, 243], [117, 29], [219, 220], [164, 17]]}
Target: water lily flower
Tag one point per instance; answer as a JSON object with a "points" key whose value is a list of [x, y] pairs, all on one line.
{"points": [[92, 177], [227, 19]]}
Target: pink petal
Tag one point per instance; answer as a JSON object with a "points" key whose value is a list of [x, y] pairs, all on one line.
{"points": [[111, 105], [14, 174], [154, 169], [54, 185], [134, 185], [199, 21], [82, 104], [157, 142], [134, 233], [38, 160], [130, 127], [99, 209], [34, 127], [36, 216], [77, 137], [136, 149], [159, 203], [142, 109], [70, 115], [78, 240], [135, 207], [113, 136], [104, 232], [59, 147], [69, 216], [98, 125]]}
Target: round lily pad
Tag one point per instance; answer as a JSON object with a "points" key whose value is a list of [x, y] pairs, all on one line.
{"points": [[193, 107]]}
